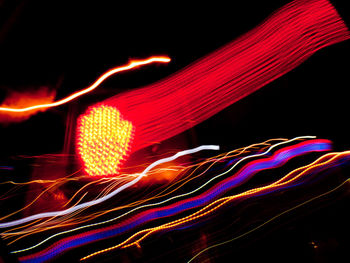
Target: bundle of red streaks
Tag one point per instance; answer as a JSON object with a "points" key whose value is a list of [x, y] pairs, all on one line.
{"points": [[141, 117]]}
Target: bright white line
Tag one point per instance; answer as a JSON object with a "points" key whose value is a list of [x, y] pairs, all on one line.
{"points": [[162, 202], [110, 195]]}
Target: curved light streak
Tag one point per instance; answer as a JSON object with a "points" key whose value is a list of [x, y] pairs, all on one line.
{"points": [[132, 64]]}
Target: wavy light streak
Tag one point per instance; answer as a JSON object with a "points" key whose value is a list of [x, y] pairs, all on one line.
{"points": [[131, 65]]}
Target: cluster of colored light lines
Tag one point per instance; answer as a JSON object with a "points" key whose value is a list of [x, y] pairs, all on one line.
{"points": [[190, 171], [208, 200], [202, 201]]}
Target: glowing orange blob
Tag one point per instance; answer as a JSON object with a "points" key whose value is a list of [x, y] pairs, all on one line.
{"points": [[103, 140], [42, 95]]}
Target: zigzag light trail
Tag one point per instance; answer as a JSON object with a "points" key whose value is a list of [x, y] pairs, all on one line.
{"points": [[114, 128]]}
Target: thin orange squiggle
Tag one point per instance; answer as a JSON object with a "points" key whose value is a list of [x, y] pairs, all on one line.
{"points": [[132, 64]]}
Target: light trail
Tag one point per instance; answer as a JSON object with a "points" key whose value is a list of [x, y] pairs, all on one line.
{"points": [[167, 200], [102, 199], [276, 160], [269, 221], [132, 64]]}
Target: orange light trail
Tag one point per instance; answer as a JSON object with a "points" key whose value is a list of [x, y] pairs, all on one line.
{"points": [[131, 65]]}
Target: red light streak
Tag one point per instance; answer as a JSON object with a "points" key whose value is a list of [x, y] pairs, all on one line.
{"points": [[132, 64], [196, 93]]}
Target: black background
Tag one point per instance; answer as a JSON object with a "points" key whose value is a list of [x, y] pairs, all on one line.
{"points": [[65, 46]]}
